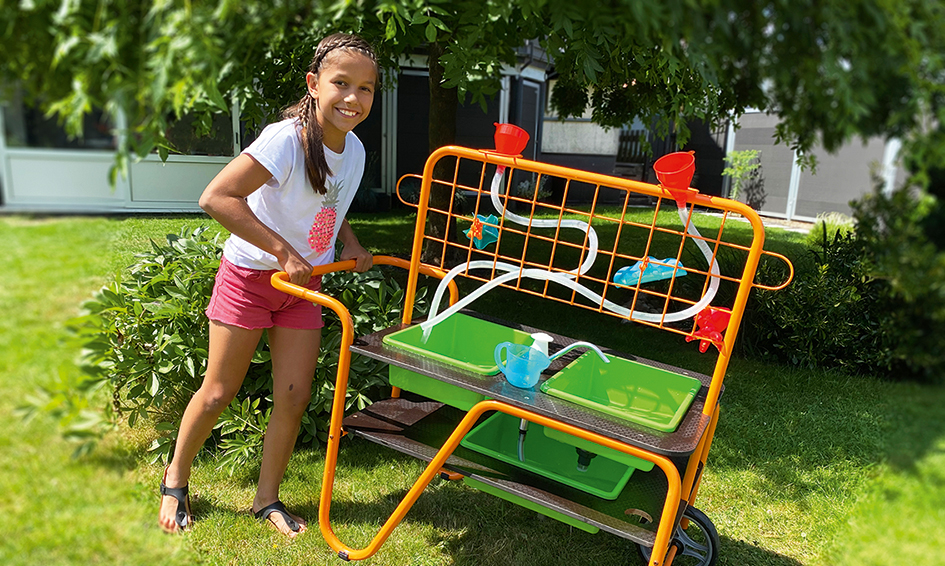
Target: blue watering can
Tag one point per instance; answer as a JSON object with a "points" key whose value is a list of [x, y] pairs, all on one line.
{"points": [[523, 364]]}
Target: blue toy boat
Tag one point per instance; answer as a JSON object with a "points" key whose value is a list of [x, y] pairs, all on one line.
{"points": [[651, 269]]}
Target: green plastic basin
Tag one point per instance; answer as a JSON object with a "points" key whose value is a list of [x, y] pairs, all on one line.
{"points": [[452, 395], [609, 453], [537, 507], [461, 340], [626, 389], [498, 436]]}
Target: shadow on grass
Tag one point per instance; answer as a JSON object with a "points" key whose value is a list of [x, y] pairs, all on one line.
{"points": [[800, 428], [739, 552], [478, 529]]}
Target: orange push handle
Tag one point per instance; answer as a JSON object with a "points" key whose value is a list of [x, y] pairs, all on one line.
{"points": [[280, 280], [785, 283], [400, 197]]}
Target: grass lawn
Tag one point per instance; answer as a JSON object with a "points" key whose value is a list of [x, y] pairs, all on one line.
{"points": [[807, 467]]}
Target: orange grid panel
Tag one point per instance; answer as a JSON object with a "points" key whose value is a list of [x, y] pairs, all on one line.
{"points": [[476, 169], [627, 234]]}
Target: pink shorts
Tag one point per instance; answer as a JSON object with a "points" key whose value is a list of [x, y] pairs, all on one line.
{"points": [[245, 297]]}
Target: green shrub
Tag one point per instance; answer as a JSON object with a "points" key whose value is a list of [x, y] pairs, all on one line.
{"points": [[145, 345], [832, 222], [872, 300], [902, 234], [739, 166], [831, 316]]}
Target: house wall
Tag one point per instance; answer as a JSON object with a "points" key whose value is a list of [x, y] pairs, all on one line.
{"points": [[526, 111], [474, 127], [178, 183], [839, 178], [53, 174], [64, 180], [577, 136], [784, 190], [578, 143], [756, 131], [709, 148], [43, 170]]}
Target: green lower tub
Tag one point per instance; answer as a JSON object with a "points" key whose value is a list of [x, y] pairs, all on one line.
{"points": [[609, 453], [498, 437]]}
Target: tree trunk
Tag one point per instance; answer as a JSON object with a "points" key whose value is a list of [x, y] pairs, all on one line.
{"points": [[443, 105]]}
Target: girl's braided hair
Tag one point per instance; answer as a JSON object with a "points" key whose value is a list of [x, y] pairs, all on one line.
{"points": [[316, 167]]}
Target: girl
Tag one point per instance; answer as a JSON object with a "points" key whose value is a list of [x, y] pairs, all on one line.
{"points": [[283, 200]]}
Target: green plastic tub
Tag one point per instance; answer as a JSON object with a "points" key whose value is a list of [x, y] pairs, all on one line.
{"points": [[435, 389], [461, 341], [609, 453], [498, 437], [626, 389]]}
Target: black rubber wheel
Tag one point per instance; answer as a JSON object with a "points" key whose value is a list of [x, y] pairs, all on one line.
{"points": [[696, 546]]}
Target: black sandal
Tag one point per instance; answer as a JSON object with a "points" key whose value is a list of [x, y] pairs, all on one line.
{"points": [[183, 517], [278, 507]]}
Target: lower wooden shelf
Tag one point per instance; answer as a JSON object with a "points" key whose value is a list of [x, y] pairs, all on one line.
{"points": [[418, 427]]}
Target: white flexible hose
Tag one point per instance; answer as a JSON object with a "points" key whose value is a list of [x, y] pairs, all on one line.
{"points": [[564, 278], [545, 223]]}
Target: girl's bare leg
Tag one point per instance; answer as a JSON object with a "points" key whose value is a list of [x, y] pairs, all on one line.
{"points": [[294, 357], [231, 351]]}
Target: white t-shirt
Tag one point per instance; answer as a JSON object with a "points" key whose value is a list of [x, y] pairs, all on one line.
{"points": [[308, 221]]}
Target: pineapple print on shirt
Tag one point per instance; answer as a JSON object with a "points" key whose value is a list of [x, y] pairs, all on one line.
{"points": [[319, 236]]}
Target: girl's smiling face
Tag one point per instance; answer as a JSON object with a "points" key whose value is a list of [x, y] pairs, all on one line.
{"points": [[344, 92]]}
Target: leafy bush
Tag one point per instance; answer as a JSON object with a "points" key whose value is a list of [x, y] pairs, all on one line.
{"points": [[739, 166], [903, 235], [145, 339], [832, 222], [872, 300], [832, 314]]}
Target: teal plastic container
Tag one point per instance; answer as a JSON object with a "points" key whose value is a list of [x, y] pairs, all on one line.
{"points": [[636, 392]]}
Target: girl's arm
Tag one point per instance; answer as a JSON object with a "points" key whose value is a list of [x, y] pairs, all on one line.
{"points": [[225, 200], [352, 248]]}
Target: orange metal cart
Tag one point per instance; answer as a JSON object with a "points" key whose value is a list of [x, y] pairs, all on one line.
{"points": [[655, 508]]}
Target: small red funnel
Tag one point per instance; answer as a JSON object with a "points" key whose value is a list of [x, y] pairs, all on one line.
{"points": [[675, 171], [510, 139]]}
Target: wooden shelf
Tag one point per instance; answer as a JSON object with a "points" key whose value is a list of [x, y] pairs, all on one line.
{"points": [[419, 427]]}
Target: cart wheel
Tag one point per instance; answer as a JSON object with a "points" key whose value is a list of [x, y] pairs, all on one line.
{"points": [[696, 546]]}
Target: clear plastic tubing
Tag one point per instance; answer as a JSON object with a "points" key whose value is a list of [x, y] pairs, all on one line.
{"points": [[564, 278]]}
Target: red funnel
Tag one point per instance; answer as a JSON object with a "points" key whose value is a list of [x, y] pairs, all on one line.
{"points": [[510, 139], [675, 171]]}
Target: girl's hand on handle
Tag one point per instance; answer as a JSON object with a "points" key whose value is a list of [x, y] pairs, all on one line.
{"points": [[363, 258], [299, 270], [352, 249]]}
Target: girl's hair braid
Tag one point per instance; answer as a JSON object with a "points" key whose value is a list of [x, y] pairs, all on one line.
{"points": [[316, 167]]}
